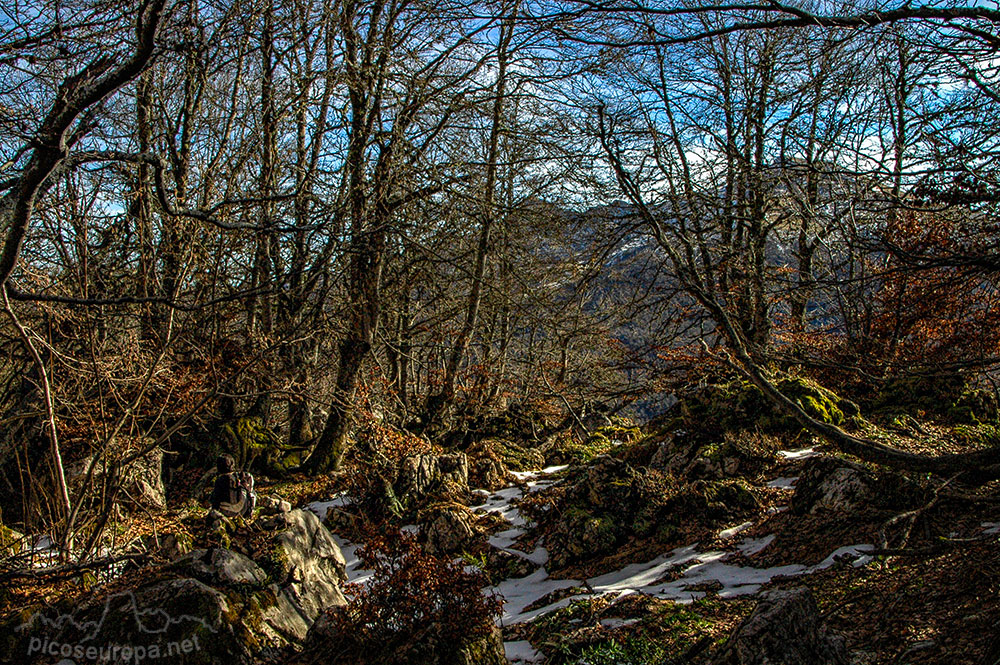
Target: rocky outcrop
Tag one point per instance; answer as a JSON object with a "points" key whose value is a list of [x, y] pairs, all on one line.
{"points": [[784, 629], [488, 473], [447, 528], [141, 480], [209, 606], [609, 503], [832, 484], [305, 561], [425, 476], [688, 457], [491, 460]]}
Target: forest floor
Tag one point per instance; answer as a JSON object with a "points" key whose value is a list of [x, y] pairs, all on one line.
{"points": [[934, 601], [913, 578]]}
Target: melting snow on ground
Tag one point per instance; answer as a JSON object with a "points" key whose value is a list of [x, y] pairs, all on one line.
{"points": [[686, 568], [801, 453], [783, 483], [521, 652]]}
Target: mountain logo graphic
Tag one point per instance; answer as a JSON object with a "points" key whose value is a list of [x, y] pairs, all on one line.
{"points": [[149, 621]]}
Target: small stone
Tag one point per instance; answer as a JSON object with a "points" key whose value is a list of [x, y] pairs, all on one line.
{"points": [[271, 505]]}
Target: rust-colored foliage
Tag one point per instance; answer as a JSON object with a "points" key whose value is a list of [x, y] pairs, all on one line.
{"points": [[920, 305], [415, 604]]}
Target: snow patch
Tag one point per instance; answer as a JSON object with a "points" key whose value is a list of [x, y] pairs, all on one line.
{"points": [[356, 574], [726, 534], [322, 507], [521, 652], [801, 453]]}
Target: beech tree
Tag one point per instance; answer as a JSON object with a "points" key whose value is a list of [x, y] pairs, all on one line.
{"points": [[692, 237]]}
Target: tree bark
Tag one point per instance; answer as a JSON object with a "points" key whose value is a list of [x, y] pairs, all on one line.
{"points": [[439, 404]]}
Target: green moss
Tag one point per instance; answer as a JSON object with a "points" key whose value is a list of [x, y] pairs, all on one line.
{"points": [[11, 542], [975, 406], [951, 397], [740, 405], [727, 496], [597, 444], [275, 564], [823, 411], [661, 632], [251, 439], [600, 532], [713, 451], [979, 436], [514, 456]]}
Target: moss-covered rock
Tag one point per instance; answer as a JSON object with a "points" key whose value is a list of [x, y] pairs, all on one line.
{"points": [[950, 397], [975, 406], [491, 460], [616, 433], [740, 405], [11, 541], [745, 454], [255, 444], [609, 504]]}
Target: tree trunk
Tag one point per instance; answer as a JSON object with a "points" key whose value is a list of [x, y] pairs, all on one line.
{"points": [[439, 404], [333, 442]]}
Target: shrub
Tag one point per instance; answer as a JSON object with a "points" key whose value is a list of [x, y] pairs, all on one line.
{"points": [[417, 608]]}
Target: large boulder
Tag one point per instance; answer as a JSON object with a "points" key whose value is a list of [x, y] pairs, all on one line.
{"points": [[832, 484], [423, 476], [448, 528], [305, 560], [141, 479], [609, 503], [209, 606], [784, 629]]}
